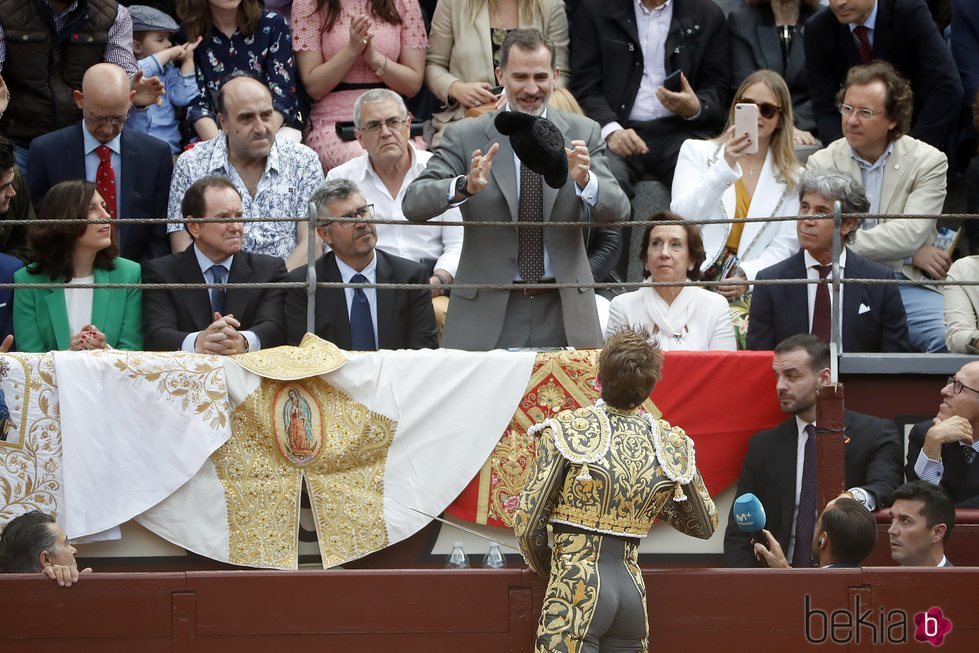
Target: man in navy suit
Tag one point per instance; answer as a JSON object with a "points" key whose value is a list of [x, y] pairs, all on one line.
{"points": [[900, 32], [360, 319], [873, 318], [215, 321], [777, 467], [141, 165]]}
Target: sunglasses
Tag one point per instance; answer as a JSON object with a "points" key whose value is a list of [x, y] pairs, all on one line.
{"points": [[766, 109]]}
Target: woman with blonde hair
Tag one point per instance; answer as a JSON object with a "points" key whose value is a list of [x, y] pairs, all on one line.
{"points": [[720, 180], [464, 49]]}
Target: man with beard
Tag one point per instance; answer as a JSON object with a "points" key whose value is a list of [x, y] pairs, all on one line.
{"points": [[475, 169], [780, 465], [275, 178]]}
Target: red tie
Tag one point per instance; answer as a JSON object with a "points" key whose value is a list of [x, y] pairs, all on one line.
{"points": [[821, 310], [105, 182], [863, 36]]}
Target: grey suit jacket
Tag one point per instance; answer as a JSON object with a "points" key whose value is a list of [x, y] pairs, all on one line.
{"points": [[489, 255]]}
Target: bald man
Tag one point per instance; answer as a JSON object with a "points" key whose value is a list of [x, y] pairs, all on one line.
{"points": [[132, 167], [274, 176], [943, 450]]}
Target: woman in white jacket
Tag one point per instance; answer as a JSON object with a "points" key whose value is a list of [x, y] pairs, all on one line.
{"points": [[719, 180]]}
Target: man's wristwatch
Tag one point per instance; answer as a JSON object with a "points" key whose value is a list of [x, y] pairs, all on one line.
{"points": [[860, 495], [462, 186]]}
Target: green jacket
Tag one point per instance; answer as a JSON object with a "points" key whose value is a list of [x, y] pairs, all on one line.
{"points": [[41, 316]]}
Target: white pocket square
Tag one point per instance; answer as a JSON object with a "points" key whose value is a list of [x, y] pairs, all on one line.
{"points": [[863, 309]]}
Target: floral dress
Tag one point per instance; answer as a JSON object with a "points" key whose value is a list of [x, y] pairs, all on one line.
{"points": [[266, 54], [338, 105]]}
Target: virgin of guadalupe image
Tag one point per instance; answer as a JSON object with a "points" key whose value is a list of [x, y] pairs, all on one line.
{"points": [[299, 418]]}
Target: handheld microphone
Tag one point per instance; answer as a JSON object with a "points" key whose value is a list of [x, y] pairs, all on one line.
{"points": [[749, 516]]}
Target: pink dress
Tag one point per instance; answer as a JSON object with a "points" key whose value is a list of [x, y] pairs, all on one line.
{"points": [[308, 34]]}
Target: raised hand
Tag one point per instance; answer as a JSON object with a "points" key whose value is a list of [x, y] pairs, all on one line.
{"points": [[479, 169], [360, 33], [579, 162]]}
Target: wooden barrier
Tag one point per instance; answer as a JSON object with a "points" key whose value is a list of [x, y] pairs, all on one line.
{"points": [[690, 610]]}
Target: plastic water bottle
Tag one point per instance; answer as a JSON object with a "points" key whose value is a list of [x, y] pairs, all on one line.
{"points": [[458, 558], [494, 557]]}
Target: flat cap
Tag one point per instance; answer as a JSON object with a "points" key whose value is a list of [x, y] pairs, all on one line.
{"points": [[149, 19]]}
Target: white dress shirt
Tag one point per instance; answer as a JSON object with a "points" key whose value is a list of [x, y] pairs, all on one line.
{"points": [[444, 244]]}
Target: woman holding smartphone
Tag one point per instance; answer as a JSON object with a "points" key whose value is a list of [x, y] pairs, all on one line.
{"points": [[464, 50], [741, 175]]}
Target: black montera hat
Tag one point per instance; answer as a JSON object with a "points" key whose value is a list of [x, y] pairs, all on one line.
{"points": [[538, 143]]}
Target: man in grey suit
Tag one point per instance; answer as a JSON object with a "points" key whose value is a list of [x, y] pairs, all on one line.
{"points": [[465, 171]]}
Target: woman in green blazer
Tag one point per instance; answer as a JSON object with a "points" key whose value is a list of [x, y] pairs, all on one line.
{"points": [[84, 253]]}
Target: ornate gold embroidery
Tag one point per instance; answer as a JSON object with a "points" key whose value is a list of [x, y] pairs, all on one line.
{"points": [[193, 381], [30, 459], [313, 357], [572, 593], [557, 383], [345, 477]]}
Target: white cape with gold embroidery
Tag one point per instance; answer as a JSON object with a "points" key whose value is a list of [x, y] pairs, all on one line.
{"points": [[135, 427], [30, 452], [448, 410]]}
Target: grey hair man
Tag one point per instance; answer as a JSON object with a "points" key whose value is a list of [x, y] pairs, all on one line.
{"points": [[360, 318], [872, 317], [390, 162]]}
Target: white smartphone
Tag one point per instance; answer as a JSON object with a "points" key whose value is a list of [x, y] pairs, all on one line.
{"points": [[746, 122]]}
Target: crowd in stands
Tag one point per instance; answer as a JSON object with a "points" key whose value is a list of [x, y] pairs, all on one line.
{"points": [[145, 100], [234, 109]]}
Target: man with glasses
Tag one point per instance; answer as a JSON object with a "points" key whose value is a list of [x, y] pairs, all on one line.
{"points": [[383, 172], [360, 319], [900, 32], [275, 177], [131, 170], [901, 175], [943, 450], [213, 321]]}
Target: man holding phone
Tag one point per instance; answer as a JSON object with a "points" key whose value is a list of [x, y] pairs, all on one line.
{"points": [[652, 77]]}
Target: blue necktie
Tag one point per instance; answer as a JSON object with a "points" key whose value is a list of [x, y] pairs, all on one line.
{"points": [[218, 275], [361, 325]]}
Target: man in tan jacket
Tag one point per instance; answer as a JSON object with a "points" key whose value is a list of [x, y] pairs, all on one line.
{"points": [[901, 175]]}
